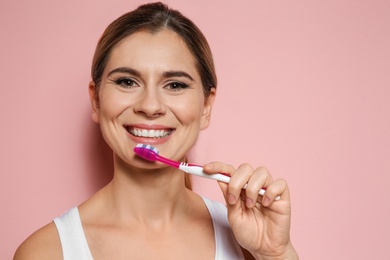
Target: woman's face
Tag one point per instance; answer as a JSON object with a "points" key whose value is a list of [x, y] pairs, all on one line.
{"points": [[151, 93]]}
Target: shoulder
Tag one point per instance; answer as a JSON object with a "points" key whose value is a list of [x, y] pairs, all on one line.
{"points": [[216, 209], [213, 203], [42, 244]]}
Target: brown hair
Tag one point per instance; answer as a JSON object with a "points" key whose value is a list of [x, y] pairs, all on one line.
{"points": [[155, 17]]}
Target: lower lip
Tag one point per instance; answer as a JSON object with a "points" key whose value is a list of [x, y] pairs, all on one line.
{"points": [[151, 141]]}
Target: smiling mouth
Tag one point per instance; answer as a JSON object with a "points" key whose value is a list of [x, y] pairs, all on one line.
{"points": [[149, 133]]}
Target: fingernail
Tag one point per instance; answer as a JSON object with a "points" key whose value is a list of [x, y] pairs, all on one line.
{"points": [[231, 199], [249, 203], [265, 201]]}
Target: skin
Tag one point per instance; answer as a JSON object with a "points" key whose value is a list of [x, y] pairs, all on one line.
{"points": [[151, 82]]}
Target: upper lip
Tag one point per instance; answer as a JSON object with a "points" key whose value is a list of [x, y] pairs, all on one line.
{"points": [[149, 127]]}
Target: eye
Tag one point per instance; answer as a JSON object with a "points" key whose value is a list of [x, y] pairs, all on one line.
{"points": [[176, 86], [126, 83]]}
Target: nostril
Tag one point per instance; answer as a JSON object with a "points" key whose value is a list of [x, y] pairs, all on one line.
{"points": [[150, 105], [149, 114]]}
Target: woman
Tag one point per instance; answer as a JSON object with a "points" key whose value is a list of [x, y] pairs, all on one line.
{"points": [[153, 82]]}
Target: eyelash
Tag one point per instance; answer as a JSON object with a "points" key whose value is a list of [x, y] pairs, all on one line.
{"points": [[126, 82], [177, 86], [129, 83]]}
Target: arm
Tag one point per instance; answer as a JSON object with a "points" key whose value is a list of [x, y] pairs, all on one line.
{"points": [[41, 245]]}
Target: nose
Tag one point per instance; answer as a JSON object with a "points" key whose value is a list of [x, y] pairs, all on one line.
{"points": [[150, 104]]}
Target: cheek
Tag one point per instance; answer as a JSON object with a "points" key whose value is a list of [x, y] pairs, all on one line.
{"points": [[188, 111], [113, 103]]}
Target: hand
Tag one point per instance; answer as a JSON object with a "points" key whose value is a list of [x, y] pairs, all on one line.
{"points": [[260, 224]]}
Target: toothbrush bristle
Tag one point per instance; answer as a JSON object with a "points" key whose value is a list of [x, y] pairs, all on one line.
{"points": [[146, 151]]}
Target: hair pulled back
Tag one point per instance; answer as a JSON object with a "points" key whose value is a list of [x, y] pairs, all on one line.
{"points": [[154, 17]]}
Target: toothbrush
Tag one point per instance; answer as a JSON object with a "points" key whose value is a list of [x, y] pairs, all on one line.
{"points": [[150, 153]]}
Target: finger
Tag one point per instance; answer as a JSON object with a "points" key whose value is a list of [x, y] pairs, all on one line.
{"points": [[218, 167], [238, 181], [232, 208], [260, 179], [277, 188], [224, 188]]}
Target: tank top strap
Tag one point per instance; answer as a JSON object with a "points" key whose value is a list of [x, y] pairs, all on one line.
{"points": [[226, 244], [73, 241]]}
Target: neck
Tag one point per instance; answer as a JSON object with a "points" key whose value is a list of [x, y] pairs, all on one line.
{"points": [[153, 196]]}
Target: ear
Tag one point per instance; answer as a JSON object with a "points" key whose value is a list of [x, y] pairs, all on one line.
{"points": [[94, 98], [208, 105]]}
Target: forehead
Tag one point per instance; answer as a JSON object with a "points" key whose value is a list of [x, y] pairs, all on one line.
{"points": [[161, 50]]}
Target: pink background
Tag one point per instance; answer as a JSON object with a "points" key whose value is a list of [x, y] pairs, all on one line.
{"points": [[304, 89]]}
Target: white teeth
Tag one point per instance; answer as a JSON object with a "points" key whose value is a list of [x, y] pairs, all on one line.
{"points": [[149, 133]]}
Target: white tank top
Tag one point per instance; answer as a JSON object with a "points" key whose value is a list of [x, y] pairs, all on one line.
{"points": [[75, 246]]}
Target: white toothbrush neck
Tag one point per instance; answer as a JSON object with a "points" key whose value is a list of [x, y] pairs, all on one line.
{"points": [[198, 171]]}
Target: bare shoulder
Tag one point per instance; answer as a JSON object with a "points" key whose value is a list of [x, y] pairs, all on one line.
{"points": [[42, 244]]}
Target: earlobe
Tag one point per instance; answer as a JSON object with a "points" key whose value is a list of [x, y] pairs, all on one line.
{"points": [[208, 105], [94, 98]]}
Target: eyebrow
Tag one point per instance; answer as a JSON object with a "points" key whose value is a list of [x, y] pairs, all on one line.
{"points": [[126, 70], [166, 74], [169, 74]]}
